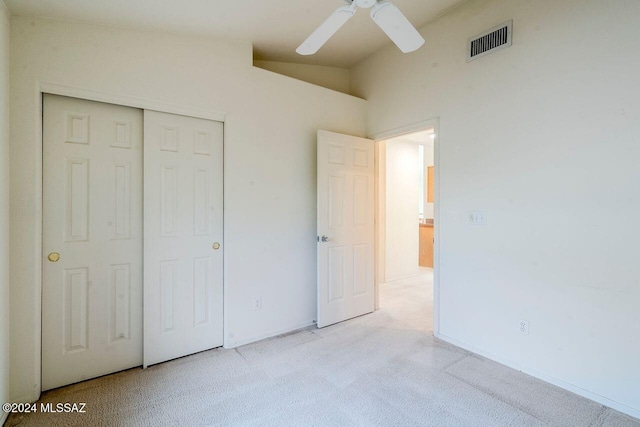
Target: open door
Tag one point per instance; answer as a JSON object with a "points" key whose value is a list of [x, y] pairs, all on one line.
{"points": [[345, 227]]}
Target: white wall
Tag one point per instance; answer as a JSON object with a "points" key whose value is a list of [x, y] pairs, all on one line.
{"points": [[544, 137], [270, 164], [4, 205], [330, 77], [402, 233]]}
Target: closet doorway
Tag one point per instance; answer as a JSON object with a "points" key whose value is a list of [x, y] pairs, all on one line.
{"points": [[132, 232]]}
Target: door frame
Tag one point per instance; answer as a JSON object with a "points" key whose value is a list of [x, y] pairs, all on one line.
{"points": [[380, 139], [48, 88]]}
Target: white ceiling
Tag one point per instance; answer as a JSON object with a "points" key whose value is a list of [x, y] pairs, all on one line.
{"points": [[275, 27]]}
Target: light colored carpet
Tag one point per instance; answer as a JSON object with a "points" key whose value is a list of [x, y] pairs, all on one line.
{"points": [[383, 369]]}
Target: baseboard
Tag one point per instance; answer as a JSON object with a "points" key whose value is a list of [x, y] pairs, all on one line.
{"points": [[633, 412], [270, 334], [25, 398]]}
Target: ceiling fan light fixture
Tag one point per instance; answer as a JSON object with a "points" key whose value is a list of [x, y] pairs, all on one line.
{"points": [[396, 26]]}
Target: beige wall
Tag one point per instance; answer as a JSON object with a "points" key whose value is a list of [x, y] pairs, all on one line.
{"points": [[543, 136], [270, 166], [329, 77], [4, 205]]}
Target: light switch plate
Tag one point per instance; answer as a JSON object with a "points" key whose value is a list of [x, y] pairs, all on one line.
{"points": [[478, 218]]}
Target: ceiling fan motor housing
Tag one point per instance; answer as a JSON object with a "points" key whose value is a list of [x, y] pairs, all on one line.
{"points": [[364, 4]]}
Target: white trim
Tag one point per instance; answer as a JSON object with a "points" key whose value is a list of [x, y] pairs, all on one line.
{"points": [[544, 377], [404, 130], [433, 123], [37, 268], [6, 14], [380, 237], [43, 88], [436, 225], [271, 334], [22, 399], [129, 101]]}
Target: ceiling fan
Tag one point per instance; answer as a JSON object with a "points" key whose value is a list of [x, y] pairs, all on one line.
{"points": [[384, 13]]}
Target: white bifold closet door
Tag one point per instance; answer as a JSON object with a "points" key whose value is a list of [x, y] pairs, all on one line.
{"points": [[183, 290], [92, 240]]}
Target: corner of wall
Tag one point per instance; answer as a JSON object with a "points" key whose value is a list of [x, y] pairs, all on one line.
{"points": [[5, 22], [334, 78]]}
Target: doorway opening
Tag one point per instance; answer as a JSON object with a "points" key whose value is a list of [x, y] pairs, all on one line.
{"points": [[406, 226]]}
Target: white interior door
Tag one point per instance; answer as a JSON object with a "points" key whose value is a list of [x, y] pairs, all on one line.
{"points": [[345, 227], [92, 240], [183, 288]]}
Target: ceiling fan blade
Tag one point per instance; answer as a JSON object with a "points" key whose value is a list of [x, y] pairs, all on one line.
{"points": [[396, 26], [328, 28]]}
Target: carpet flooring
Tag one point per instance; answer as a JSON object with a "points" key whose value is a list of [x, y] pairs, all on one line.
{"points": [[382, 369]]}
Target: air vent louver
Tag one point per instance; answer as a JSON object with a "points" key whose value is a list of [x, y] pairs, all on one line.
{"points": [[488, 42]]}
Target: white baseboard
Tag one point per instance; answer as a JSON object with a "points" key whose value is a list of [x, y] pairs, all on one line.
{"points": [[270, 334], [544, 377]]}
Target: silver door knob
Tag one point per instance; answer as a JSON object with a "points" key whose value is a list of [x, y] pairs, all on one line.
{"points": [[324, 239]]}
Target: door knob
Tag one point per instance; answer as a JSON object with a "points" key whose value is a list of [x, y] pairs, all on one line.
{"points": [[325, 239], [54, 257], [216, 246]]}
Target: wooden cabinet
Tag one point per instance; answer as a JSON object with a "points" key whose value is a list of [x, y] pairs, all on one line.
{"points": [[425, 258], [430, 180]]}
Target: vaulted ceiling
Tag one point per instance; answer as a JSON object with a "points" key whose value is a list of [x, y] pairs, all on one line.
{"points": [[275, 27]]}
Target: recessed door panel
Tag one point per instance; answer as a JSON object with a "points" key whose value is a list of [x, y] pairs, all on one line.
{"points": [[77, 195], [121, 200], [336, 201], [335, 272], [120, 302], [75, 309]]}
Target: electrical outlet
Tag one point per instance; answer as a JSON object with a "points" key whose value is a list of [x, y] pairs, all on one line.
{"points": [[524, 327], [477, 218], [257, 303]]}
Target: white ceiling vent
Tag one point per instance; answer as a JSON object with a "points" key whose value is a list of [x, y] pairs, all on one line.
{"points": [[490, 41]]}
